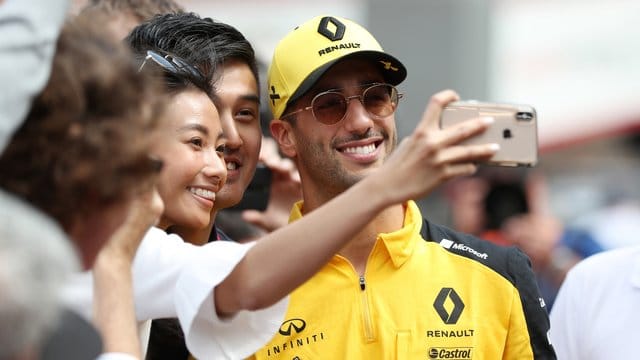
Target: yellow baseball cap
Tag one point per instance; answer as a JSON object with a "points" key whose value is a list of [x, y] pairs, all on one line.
{"points": [[307, 52]]}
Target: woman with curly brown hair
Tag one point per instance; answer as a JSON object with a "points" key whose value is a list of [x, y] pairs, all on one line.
{"points": [[82, 156], [83, 151]]}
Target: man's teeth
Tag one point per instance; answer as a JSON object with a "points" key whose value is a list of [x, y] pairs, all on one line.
{"points": [[361, 150], [207, 194], [232, 166]]}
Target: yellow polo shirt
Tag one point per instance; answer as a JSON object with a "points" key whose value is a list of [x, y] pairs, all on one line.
{"points": [[417, 299]]}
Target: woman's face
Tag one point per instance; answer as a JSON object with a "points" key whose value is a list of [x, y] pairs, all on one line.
{"points": [[192, 152]]}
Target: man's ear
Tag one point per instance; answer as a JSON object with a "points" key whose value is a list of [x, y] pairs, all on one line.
{"points": [[282, 132]]}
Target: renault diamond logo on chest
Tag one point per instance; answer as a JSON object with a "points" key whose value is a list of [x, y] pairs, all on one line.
{"points": [[448, 305]]}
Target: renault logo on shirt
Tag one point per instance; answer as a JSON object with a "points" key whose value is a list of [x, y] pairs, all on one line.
{"points": [[448, 299], [291, 325]]}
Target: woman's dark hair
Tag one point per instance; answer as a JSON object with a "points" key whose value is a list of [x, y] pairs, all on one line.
{"points": [[155, 55], [176, 73], [202, 42]]}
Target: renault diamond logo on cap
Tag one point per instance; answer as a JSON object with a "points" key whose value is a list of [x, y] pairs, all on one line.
{"points": [[333, 33], [454, 300], [291, 325]]}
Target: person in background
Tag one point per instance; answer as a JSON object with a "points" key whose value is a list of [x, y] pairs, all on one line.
{"points": [[81, 156], [596, 311], [510, 207], [32, 272], [403, 287], [595, 315], [29, 32]]}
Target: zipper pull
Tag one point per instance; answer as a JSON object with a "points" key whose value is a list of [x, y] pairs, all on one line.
{"points": [[362, 285]]}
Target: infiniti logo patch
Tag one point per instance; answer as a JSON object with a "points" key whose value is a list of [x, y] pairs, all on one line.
{"points": [[294, 339], [291, 325]]}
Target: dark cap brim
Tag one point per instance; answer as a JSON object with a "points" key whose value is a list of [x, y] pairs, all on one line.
{"points": [[393, 77]]}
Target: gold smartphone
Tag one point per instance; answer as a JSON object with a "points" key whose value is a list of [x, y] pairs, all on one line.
{"points": [[515, 129]]}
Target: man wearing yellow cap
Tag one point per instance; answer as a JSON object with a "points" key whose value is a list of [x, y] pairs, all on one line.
{"points": [[403, 288]]}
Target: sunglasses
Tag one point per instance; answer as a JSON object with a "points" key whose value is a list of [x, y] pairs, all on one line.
{"points": [[172, 64], [330, 107]]}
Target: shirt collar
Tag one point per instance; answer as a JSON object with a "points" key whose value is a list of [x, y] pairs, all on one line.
{"points": [[399, 244], [296, 211]]}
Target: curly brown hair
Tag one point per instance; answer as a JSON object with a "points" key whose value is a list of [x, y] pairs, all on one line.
{"points": [[85, 142]]}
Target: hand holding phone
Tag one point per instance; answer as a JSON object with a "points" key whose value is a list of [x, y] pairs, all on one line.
{"points": [[514, 128]]}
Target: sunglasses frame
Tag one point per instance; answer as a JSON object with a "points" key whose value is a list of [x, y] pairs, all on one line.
{"points": [[347, 99], [172, 64]]}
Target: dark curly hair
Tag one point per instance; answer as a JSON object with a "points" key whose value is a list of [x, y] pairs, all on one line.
{"points": [[85, 142]]}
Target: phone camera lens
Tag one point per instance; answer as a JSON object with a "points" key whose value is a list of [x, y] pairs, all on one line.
{"points": [[524, 116]]}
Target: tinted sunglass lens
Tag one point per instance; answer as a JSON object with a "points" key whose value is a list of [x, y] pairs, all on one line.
{"points": [[329, 108], [380, 100]]}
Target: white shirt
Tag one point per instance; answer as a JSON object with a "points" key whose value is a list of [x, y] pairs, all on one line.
{"points": [[596, 314], [613, 226], [172, 278]]}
